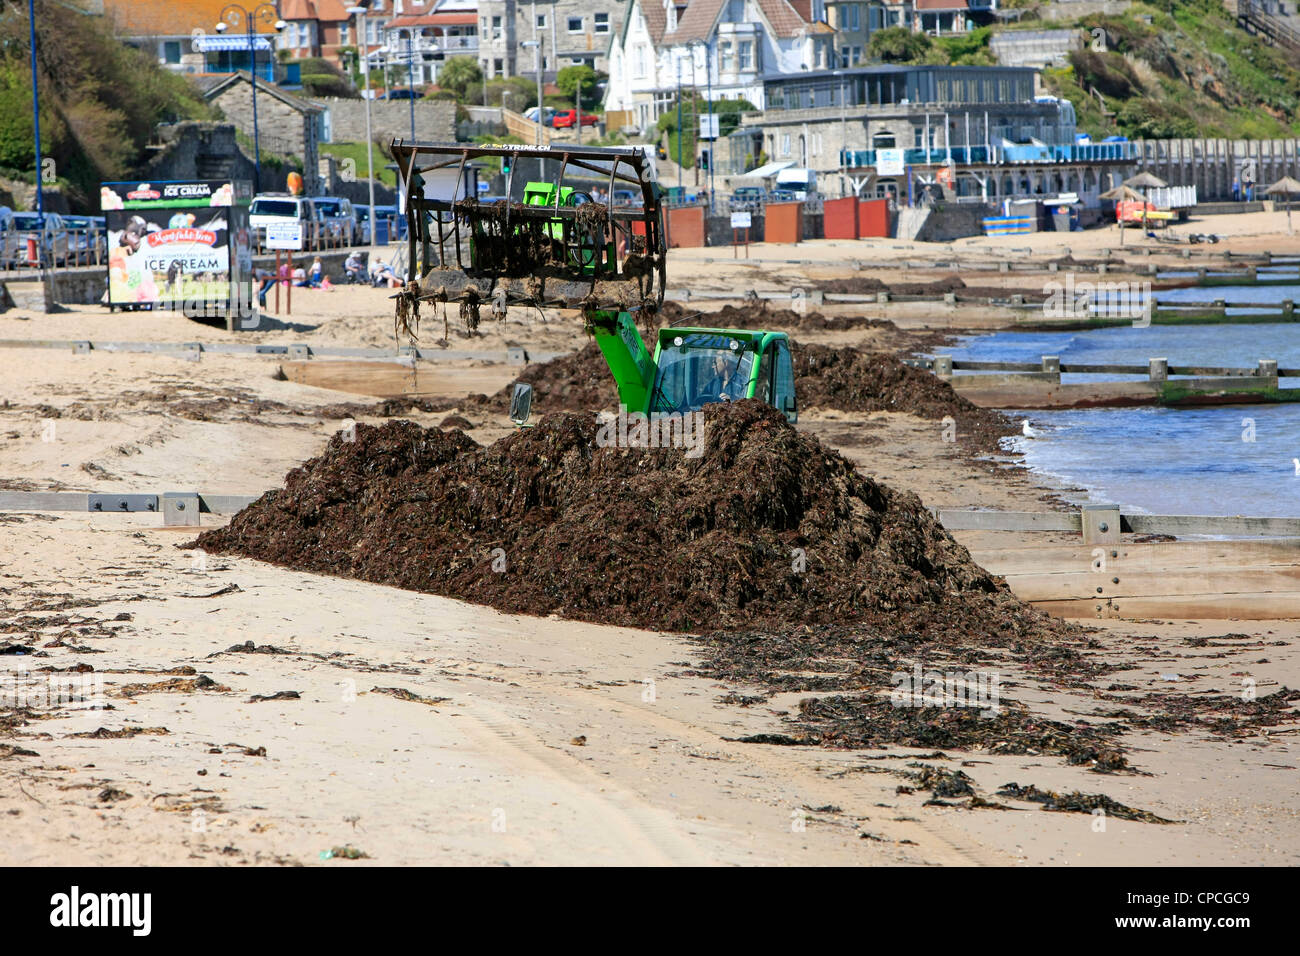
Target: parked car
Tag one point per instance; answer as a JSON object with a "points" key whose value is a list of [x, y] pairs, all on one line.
{"points": [[363, 223], [54, 237], [547, 114], [89, 237], [627, 197], [748, 198], [403, 95], [338, 217], [567, 119], [396, 221], [270, 208]]}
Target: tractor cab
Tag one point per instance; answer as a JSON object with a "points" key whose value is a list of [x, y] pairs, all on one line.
{"points": [[694, 367]]}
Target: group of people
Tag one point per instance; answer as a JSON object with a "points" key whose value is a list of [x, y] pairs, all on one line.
{"points": [[381, 275], [315, 277]]}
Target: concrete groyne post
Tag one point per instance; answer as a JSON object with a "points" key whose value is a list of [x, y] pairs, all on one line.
{"points": [[943, 366], [1158, 369]]}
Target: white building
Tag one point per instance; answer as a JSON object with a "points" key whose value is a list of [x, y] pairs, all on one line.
{"points": [[734, 45]]}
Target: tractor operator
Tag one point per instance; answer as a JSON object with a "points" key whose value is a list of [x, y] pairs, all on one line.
{"points": [[725, 384]]}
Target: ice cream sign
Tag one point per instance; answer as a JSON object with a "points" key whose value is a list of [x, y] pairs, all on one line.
{"points": [[192, 236]]}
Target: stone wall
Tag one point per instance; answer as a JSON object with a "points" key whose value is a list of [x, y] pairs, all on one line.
{"points": [[284, 129], [435, 120], [205, 151]]}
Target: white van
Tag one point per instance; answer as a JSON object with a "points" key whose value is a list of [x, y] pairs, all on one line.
{"points": [[800, 182]]}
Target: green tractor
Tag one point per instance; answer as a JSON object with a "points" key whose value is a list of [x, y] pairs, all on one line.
{"points": [[558, 247]]}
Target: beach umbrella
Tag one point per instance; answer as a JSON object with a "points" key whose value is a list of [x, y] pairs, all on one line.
{"points": [[1145, 181], [1286, 187], [1121, 194]]}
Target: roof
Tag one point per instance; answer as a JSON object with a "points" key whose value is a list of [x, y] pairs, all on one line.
{"points": [[294, 102], [768, 169], [433, 20], [784, 19], [656, 18], [696, 23], [940, 4], [328, 10], [170, 17], [701, 17]]}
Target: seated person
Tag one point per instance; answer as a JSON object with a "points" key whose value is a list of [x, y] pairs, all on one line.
{"points": [[300, 277], [384, 275], [355, 269], [725, 385]]}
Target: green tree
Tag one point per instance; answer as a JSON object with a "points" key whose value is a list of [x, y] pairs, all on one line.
{"points": [[898, 45], [460, 74], [572, 78]]}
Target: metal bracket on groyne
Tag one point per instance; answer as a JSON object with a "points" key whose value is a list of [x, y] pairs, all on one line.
{"points": [[295, 352]]}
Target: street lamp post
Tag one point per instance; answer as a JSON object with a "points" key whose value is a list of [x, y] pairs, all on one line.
{"points": [[713, 143], [360, 12], [844, 137], [36, 122], [266, 12], [536, 46], [410, 77], [679, 129]]}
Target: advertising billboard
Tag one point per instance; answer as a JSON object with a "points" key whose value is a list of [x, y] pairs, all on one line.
{"points": [[172, 243]]}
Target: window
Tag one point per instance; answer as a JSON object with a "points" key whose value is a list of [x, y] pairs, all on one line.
{"points": [[844, 56], [541, 21], [498, 66], [602, 23], [172, 51], [855, 17], [726, 57], [575, 24], [785, 144], [857, 55], [345, 34], [639, 61]]}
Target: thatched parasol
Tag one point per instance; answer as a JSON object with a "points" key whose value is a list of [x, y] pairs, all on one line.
{"points": [[1287, 188]]}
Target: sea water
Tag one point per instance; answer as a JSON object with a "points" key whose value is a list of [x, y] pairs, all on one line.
{"points": [[1227, 459]]}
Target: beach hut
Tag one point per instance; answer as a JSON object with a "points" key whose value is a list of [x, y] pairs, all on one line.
{"points": [[1288, 188]]}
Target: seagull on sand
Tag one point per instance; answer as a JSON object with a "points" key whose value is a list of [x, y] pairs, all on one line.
{"points": [[1029, 432]]}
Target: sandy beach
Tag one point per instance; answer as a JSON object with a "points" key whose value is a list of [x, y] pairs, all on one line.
{"points": [[423, 730]]}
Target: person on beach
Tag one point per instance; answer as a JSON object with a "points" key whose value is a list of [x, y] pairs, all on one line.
{"points": [[355, 269], [384, 275], [300, 277], [316, 274]]}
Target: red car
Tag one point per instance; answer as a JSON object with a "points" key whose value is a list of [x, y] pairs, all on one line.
{"points": [[565, 119]]}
